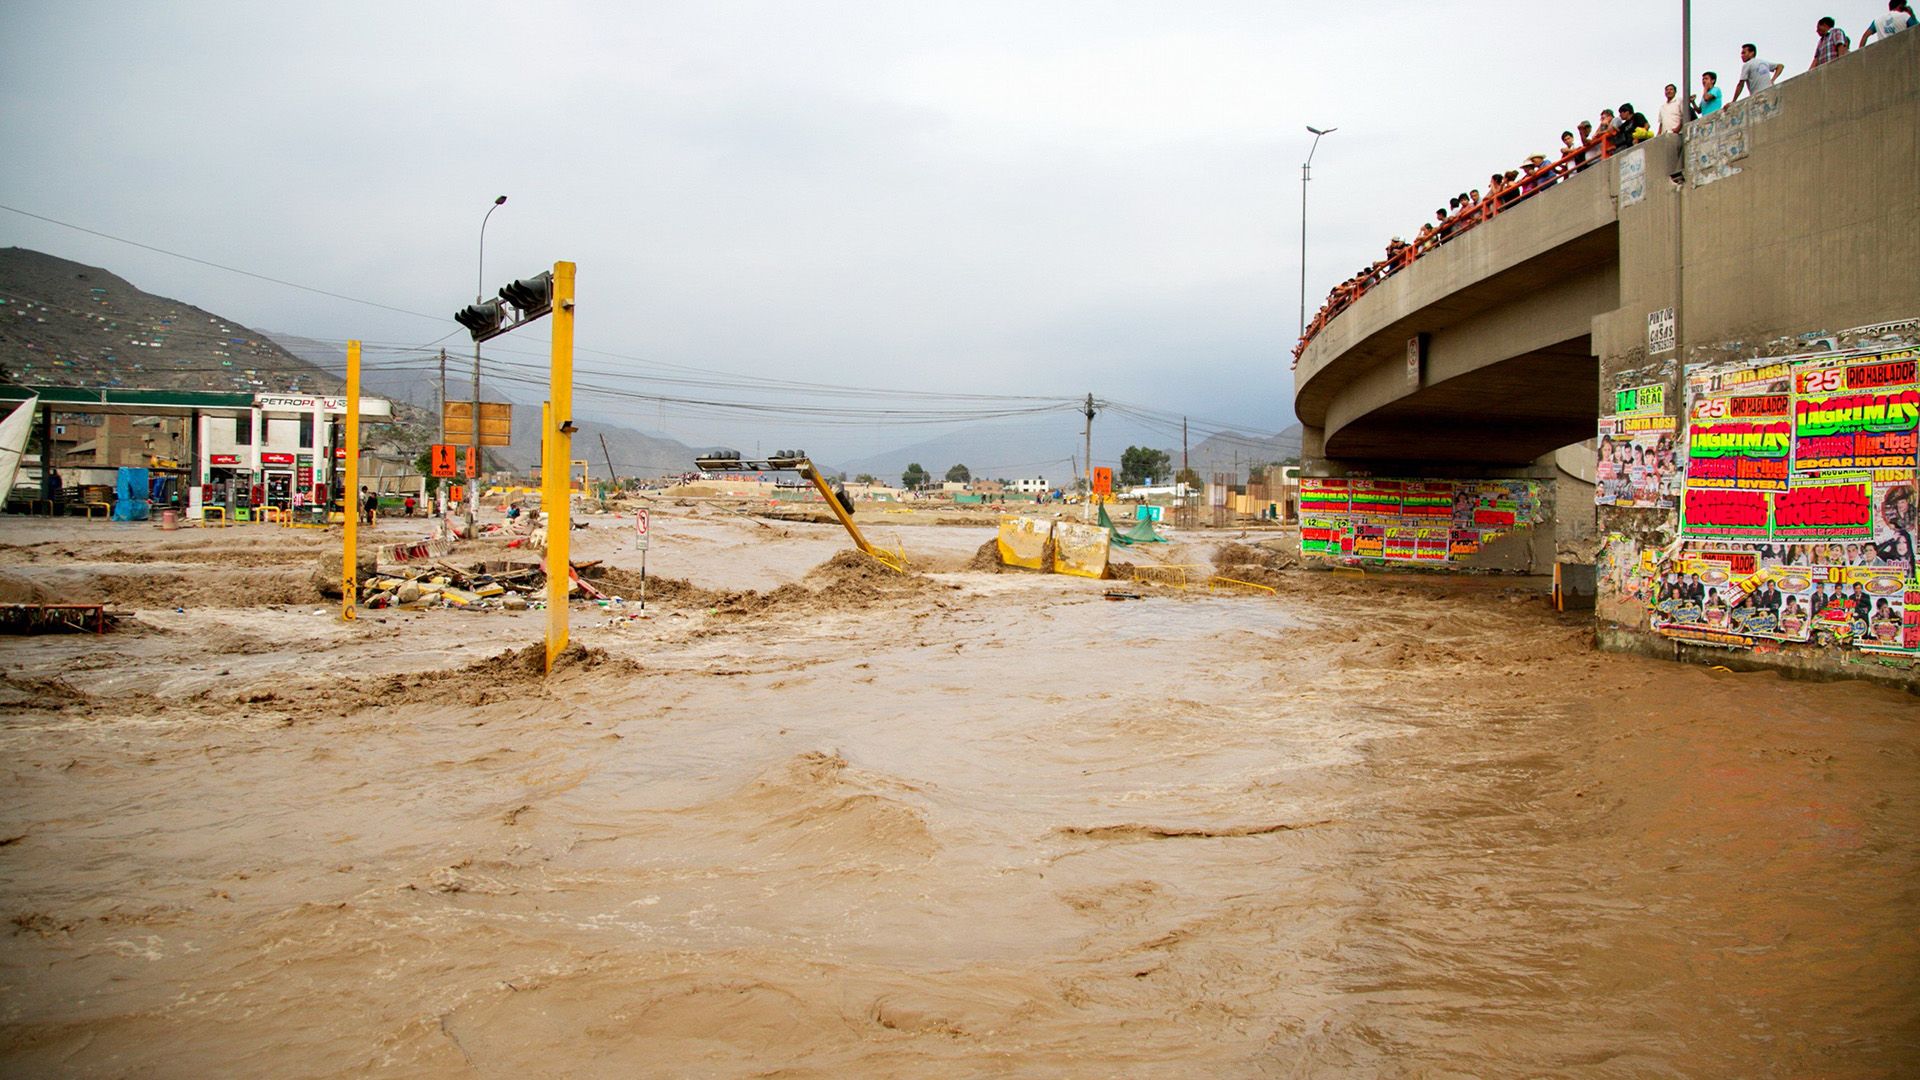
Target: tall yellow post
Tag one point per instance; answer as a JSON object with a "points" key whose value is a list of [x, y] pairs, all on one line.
{"points": [[559, 432], [349, 482]]}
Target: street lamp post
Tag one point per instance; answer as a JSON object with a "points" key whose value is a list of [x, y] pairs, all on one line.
{"points": [[1306, 173], [479, 296]]}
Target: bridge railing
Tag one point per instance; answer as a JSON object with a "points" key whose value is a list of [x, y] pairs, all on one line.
{"points": [[1490, 205]]}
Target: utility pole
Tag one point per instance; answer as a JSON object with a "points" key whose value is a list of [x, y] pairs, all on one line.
{"points": [[605, 453], [479, 292], [1180, 497], [1086, 509], [441, 493], [1306, 174], [473, 482]]}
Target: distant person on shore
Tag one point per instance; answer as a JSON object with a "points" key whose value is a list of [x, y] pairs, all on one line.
{"points": [[369, 502], [1710, 98], [1755, 74], [1833, 43], [1899, 17], [1673, 111]]}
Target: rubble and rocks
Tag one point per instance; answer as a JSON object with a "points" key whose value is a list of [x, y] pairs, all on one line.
{"points": [[326, 574]]}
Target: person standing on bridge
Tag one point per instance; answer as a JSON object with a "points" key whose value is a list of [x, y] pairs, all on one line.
{"points": [[1833, 43], [1899, 17], [1591, 153], [1632, 122], [1755, 74], [1709, 101], [1673, 112]]}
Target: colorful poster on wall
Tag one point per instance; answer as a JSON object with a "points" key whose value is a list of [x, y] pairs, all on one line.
{"points": [[1759, 376], [1323, 495], [1320, 536], [1739, 442], [1376, 498], [1640, 400], [1896, 522], [1422, 521], [1427, 499], [1863, 414], [1724, 515], [1635, 464], [1798, 517], [1908, 640], [1831, 506]]}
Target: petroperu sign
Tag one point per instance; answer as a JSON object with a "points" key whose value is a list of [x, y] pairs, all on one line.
{"points": [[331, 406], [296, 403]]}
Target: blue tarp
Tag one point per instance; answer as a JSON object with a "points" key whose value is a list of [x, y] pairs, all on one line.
{"points": [[130, 495]]}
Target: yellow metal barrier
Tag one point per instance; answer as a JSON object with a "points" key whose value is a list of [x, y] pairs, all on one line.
{"points": [[1080, 550], [1023, 542], [1174, 575], [206, 516], [1238, 584]]}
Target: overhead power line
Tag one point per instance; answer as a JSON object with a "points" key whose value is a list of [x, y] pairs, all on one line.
{"points": [[220, 266]]}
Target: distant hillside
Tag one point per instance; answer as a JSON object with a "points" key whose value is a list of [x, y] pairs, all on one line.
{"points": [[1232, 452], [64, 323], [67, 324]]}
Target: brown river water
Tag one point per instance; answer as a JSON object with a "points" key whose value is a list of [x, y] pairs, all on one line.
{"points": [[969, 824]]}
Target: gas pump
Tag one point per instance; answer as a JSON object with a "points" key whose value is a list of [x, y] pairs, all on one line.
{"points": [[240, 499]]}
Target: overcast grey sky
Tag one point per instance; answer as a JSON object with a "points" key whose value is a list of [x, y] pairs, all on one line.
{"points": [[1040, 198]]}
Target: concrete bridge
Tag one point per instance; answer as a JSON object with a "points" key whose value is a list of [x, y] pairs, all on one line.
{"points": [[1481, 350], [1795, 213], [1786, 226]]}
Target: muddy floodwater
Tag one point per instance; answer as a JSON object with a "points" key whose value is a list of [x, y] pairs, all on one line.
{"points": [[803, 820]]}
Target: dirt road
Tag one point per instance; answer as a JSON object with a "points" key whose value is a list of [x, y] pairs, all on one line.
{"points": [[960, 824]]}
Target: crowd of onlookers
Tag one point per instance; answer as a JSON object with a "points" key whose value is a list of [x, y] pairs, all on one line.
{"points": [[1582, 148]]}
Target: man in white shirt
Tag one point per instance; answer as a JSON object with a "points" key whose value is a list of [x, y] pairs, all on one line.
{"points": [[1899, 17], [1672, 112], [1755, 74]]}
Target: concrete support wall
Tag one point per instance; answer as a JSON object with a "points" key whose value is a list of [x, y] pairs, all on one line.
{"points": [[1791, 226]]}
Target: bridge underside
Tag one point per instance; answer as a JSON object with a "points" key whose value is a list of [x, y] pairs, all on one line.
{"points": [[1508, 412]]}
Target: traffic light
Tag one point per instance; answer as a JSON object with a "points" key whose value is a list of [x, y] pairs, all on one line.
{"points": [[482, 320], [531, 297]]}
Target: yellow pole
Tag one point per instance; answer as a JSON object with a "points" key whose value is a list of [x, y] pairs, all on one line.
{"points": [[559, 452], [350, 488], [846, 521]]}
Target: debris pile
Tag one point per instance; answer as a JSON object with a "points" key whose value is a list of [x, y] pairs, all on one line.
{"points": [[483, 586], [22, 619]]}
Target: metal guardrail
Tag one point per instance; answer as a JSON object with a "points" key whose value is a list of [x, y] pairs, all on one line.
{"points": [[1490, 206]]}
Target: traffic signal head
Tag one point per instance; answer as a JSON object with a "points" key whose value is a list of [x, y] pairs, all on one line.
{"points": [[532, 297], [481, 320]]}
